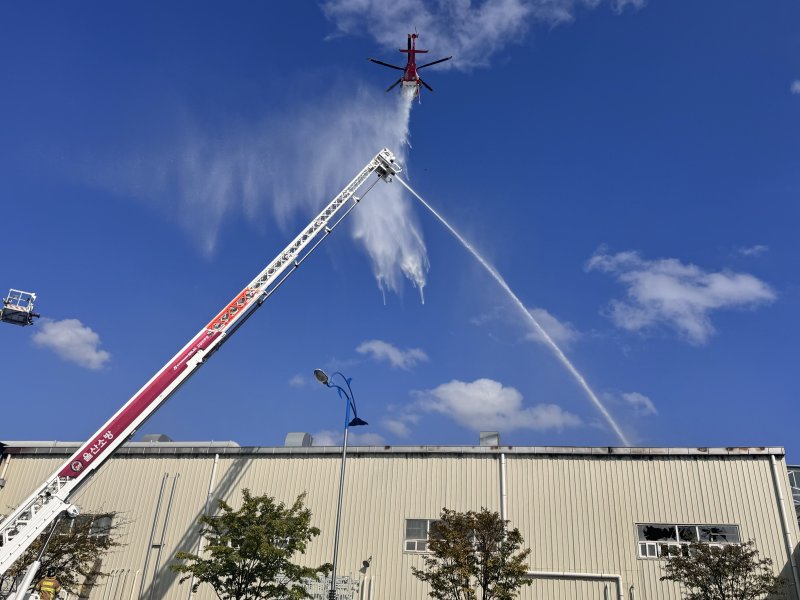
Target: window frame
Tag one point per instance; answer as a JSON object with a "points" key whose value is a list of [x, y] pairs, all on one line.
{"points": [[794, 480], [662, 549], [101, 526], [416, 540]]}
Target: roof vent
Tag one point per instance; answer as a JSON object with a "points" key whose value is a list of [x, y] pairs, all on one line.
{"points": [[490, 438], [298, 439], [156, 437]]}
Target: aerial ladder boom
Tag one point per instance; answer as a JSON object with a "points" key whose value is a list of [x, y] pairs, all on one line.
{"points": [[32, 517]]}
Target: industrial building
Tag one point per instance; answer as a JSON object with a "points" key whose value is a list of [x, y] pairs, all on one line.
{"points": [[598, 520]]}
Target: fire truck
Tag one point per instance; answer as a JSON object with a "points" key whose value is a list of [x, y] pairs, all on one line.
{"points": [[52, 498]]}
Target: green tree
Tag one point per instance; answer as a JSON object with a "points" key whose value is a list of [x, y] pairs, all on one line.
{"points": [[75, 551], [471, 551], [248, 552], [732, 572]]}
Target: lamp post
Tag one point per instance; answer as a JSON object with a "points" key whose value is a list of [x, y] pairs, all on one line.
{"points": [[350, 402]]}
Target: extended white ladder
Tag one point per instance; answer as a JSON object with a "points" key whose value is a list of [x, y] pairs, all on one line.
{"points": [[33, 516]]}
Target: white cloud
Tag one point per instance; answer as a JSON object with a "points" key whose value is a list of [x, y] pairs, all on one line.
{"points": [[298, 381], [328, 437], [620, 5], [399, 359], [73, 341], [292, 162], [400, 424], [756, 250], [680, 296], [486, 404], [472, 32], [795, 87], [397, 427], [641, 404], [563, 333]]}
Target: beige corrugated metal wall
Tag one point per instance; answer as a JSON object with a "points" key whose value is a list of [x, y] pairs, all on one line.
{"points": [[577, 511]]}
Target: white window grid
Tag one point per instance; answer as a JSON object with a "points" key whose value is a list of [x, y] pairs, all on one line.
{"points": [[416, 543], [99, 526], [665, 549], [794, 481]]}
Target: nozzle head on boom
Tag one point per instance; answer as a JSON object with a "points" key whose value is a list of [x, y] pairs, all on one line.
{"points": [[388, 165]]}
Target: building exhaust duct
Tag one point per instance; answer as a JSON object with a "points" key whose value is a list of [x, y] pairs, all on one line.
{"points": [[490, 438], [297, 439]]}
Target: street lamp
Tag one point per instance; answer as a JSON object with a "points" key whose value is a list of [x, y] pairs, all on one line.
{"points": [[350, 402]]}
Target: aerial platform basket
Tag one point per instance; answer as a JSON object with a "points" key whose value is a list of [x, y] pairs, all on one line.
{"points": [[18, 308]]}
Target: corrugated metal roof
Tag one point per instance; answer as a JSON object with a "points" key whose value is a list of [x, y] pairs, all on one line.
{"points": [[160, 448]]}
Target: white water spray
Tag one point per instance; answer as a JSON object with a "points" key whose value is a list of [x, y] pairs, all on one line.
{"points": [[395, 251], [539, 329]]}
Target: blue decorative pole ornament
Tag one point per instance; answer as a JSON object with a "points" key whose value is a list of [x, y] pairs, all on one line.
{"points": [[350, 403]]}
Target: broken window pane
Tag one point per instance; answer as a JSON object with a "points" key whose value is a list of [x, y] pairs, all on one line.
{"points": [[719, 533], [687, 533], [657, 533]]}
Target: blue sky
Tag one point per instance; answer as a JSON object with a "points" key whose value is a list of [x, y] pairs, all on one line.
{"points": [[630, 168]]}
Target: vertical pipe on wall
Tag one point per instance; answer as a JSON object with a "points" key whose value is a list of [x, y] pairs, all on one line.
{"points": [[152, 534], [617, 579], [163, 535], [503, 495], [632, 593], [5, 466], [206, 511], [107, 588], [787, 534], [121, 586], [211, 481], [133, 583]]}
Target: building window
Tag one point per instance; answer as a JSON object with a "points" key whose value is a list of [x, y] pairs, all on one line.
{"points": [[794, 480], [101, 526], [657, 540], [418, 532], [95, 527]]}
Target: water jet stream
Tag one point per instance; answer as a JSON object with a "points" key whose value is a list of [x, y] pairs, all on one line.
{"points": [[536, 326]]}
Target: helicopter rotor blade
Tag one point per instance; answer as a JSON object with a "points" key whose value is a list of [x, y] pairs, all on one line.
{"points": [[435, 62], [430, 89], [394, 84], [409, 42], [380, 62]]}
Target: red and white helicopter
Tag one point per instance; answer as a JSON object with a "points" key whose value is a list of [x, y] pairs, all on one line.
{"points": [[411, 80]]}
